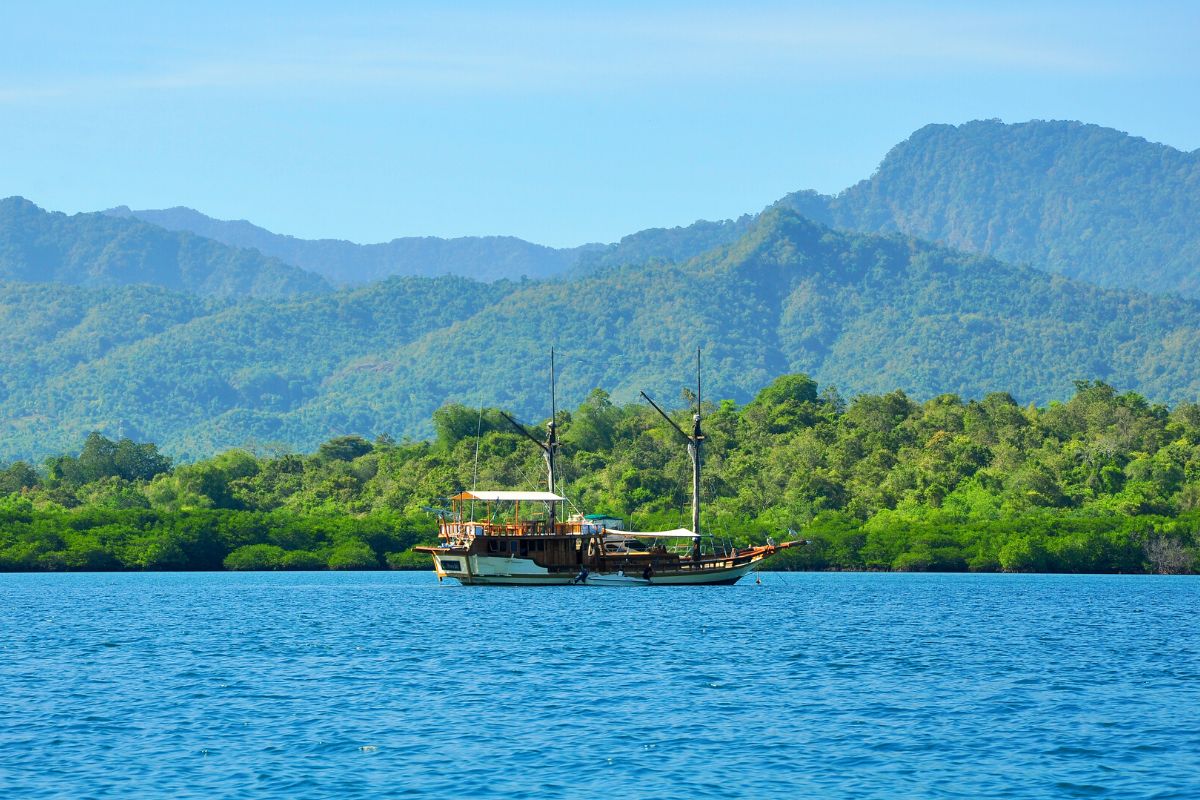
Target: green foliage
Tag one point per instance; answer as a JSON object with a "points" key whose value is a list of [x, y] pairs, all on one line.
{"points": [[103, 458], [344, 448], [255, 557], [302, 560], [454, 422], [353, 554], [594, 425], [16, 477], [409, 560]]}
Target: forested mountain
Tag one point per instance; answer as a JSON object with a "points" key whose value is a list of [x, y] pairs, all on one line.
{"points": [[1088, 202], [99, 250], [864, 313], [484, 258], [1081, 200], [140, 361], [664, 244]]}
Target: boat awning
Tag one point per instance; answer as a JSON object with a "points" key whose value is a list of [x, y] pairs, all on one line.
{"points": [[490, 495], [678, 533]]}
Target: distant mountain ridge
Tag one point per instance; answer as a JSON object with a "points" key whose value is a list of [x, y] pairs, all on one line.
{"points": [[1081, 200], [100, 250], [862, 312], [483, 258]]}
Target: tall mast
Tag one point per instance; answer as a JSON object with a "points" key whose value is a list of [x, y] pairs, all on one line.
{"points": [[694, 450], [552, 445], [693, 447], [694, 441]]}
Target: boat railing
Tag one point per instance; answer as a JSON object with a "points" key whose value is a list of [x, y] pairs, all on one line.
{"points": [[468, 530], [727, 562]]}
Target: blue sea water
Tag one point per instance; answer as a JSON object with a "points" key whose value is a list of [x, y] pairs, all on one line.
{"points": [[299, 685]]}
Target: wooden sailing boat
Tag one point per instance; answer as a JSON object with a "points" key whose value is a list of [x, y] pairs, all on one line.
{"points": [[504, 547]]}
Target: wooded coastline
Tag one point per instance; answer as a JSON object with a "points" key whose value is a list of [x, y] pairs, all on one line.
{"points": [[1103, 482]]}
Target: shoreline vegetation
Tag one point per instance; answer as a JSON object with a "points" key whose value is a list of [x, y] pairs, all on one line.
{"points": [[1105, 482]]}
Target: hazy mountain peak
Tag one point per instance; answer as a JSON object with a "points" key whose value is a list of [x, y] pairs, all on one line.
{"points": [[109, 250], [11, 206]]}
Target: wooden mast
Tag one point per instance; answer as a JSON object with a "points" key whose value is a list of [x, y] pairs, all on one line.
{"points": [[694, 449], [551, 446]]}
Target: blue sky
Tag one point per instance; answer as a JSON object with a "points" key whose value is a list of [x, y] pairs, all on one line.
{"points": [[559, 123]]}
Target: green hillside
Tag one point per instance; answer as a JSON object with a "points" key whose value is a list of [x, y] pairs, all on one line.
{"points": [[196, 374], [864, 313], [100, 250], [1081, 200]]}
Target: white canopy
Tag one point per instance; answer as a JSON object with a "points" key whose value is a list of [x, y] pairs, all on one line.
{"points": [[678, 533], [492, 495]]}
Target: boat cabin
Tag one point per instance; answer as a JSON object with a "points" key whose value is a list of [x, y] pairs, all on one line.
{"points": [[606, 521]]}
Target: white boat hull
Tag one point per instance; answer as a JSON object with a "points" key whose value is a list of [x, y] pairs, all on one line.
{"points": [[506, 571]]}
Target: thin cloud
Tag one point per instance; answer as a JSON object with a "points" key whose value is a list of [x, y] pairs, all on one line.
{"points": [[573, 51]]}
